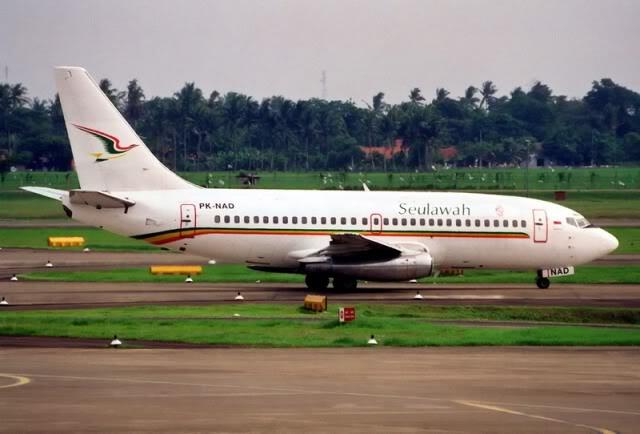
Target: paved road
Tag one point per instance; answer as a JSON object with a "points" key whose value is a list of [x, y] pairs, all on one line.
{"points": [[55, 295], [368, 390]]}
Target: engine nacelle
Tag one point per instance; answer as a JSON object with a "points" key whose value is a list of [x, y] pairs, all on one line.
{"points": [[398, 269]]}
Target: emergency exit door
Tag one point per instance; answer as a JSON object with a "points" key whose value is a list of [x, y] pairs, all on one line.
{"points": [[187, 220], [540, 226]]}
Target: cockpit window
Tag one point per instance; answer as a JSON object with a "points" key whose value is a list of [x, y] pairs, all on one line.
{"points": [[572, 221], [582, 222]]}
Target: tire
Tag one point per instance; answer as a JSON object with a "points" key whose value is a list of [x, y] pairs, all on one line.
{"points": [[345, 283], [316, 282], [542, 282]]}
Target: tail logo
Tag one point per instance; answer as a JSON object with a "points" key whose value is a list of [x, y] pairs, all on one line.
{"points": [[111, 145]]}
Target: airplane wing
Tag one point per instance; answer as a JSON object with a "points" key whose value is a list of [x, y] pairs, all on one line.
{"points": [[51, 193], [99, 199], [354, 247]]}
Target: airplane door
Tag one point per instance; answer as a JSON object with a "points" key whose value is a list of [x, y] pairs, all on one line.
{"points": [[187, 220], [375, 223], [540, 226]]}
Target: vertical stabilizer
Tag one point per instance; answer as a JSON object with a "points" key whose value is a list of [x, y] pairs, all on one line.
{"points": [[108, 154]]}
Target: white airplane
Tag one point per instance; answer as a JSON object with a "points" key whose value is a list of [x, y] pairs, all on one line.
{"points": [[338, 235]]}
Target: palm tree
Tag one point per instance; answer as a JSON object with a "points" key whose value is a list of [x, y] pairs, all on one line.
{"points": [[415, 96], [134, 103], [488, 90]]}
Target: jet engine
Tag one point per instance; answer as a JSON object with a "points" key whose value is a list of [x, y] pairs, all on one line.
{"points": [[398, 269]]}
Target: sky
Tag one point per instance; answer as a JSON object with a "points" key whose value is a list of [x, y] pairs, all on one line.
{"points": [[280, 47]]}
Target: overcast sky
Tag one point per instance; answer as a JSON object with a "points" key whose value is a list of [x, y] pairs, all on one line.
{"points": [[264, 47]]}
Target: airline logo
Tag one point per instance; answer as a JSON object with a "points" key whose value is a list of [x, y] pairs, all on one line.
{"points": [[111, 145]]}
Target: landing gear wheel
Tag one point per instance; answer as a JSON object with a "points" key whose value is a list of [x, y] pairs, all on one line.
{"points": [[345, 283], [316, 282], [542, 282]]}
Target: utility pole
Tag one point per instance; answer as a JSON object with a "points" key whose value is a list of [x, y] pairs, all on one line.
{"points": [[323, 80], [528, 163]]}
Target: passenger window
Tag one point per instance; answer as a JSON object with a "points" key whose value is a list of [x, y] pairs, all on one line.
{"points": [[216, 219], [505, 223], [354, 221], [275, 219], [376, 221], [236, 219], [285, 220], [385, 221], [448, 222], [515, 223], [412, 222], [422, 222], [523, 223], [394, 222], [294, 220], [343, 220], [467, 222], [496, 223], [256, 219], [478, 223], [404, 222], [333, 220], [487, 223], [265, 219], [323, 220], [439, 222], [304, 220], [247, 219], [314, 220], [432, 222], [458, 222], [227, 219], [364, 221]]}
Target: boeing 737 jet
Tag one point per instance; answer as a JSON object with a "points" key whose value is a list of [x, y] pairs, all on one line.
{"points": [[329, 236]]}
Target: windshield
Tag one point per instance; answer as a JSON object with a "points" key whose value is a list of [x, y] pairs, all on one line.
{"points": [[578, 221]]}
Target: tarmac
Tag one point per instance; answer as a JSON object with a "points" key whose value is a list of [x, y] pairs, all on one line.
{"points": [[386, 390]]}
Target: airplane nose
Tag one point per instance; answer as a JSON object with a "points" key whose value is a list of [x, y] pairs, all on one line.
{"points": [[610, 242]]}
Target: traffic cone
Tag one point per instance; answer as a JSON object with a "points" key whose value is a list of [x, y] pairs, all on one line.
{"points": [[115, 343], [372, 341], [239, 297]]}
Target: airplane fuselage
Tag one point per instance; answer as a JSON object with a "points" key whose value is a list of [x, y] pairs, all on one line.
{"points": [[276, 228]]}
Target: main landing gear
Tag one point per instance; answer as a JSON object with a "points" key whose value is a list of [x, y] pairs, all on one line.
{"points": [[319, 282], [542, 282]]}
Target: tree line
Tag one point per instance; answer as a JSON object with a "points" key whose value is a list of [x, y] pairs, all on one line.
{"points": [[190, 131]]}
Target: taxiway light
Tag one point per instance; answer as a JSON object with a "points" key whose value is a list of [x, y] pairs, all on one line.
{"points": [[372, 341], [188, 279], [418, 296], [115, 343], [239, 297], [14, 278], [4, 302], [86, 250], [48, 264]]}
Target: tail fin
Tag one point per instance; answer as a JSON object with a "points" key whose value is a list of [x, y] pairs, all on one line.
{"points": [[108, 154]]}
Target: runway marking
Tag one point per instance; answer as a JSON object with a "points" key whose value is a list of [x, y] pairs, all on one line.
{"points": [[19, 380], [585, 410], [532, 416]]}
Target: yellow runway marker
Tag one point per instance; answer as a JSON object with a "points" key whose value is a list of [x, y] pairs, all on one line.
{"points": [[533, 416], [19, 381]]}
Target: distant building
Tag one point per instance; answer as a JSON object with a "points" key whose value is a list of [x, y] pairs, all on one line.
{"points": [[387, 152]]}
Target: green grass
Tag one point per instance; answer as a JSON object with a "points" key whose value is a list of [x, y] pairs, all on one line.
{"points": [[95, 238], [25, 205], [615, 178], [286, 326], [240, 274]]}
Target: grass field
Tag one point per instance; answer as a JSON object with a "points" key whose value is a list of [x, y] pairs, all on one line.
{"points": [[99, 239], [286, 326], [613, 178], [240, 274]]}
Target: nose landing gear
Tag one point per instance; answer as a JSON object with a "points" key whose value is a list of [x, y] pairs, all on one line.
{"points": [[542, 282]]}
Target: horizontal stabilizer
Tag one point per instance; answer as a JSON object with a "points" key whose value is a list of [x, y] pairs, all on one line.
{"points": [[51, 193], [99, 199]]}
